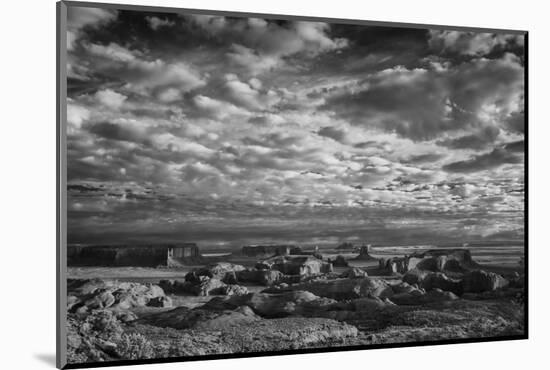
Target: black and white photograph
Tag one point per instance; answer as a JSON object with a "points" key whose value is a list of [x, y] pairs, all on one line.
{"points": [[242, 185]]}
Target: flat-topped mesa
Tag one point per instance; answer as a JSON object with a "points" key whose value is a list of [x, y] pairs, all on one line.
{"points": [[442, 259], [168, 255], [449, 259], [270, 250]]}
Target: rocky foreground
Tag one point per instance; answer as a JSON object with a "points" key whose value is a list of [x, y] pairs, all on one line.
{"points": [[303, 304]]}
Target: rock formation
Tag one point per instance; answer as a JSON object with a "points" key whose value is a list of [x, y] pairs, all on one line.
{"points": [[480, 281], [354, 273], [364, 254], [86, 295], [441, 295], [393, 265], [340, 261], [297, 265], [340, 289]]}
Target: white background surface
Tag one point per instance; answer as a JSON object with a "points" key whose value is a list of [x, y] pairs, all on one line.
{"points": [[27, 88]]}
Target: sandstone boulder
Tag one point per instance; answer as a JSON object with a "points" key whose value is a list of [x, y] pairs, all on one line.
{"points": [[480, 281], [415, 276], [160, 302], [200, 319], [176, 286], [270, 277], [341, 289], [125, 316], [517, 281], [262, 277], [230, 278], [98, 294], [71, 301], [368, 304], [393, 265], [404, 287], [273, 305], [216, 270], [208, 286], [419, 298], [101, 298], [354, 273], [438, 280], [430, 264], [203, 286], [298, 265], [80, 287], [234, 289], [318, 255], [433, 280]]}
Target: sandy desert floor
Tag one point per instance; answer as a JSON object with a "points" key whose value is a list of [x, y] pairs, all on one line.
{"points": [[134, 312]]}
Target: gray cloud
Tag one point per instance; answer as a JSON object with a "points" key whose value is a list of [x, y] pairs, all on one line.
{"points": [[497, 157], [423, 158], [478, 140], [516, 146], [471, 43], [334, 133], [114, 131], [228, 130], [421, 104]]}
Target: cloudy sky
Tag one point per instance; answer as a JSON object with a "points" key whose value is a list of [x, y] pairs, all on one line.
{"points": [[226, 131]]}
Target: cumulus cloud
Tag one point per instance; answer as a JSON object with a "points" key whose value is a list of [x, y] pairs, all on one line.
{"points": [[119, 131], [478, 140], [251, 60], [245, 94], [290, 130], [516, 146], [113, 52], [155, 22], [515, 121], [179, 75], [110, 98], [79, 17], [260, 45], [170, 95], [470, 43], [145, 75], [216, 108], [497, 157], [420, 103], [171, 142], [76, 115], [422, 158], [334, 133], [272, 38], [267, 119]]}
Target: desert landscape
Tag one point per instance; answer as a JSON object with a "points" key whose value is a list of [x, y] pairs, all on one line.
{"points": [[346, 296], [257, 185]]}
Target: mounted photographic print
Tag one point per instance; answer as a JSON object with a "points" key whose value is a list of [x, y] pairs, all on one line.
{"points": [[234, 184]]}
